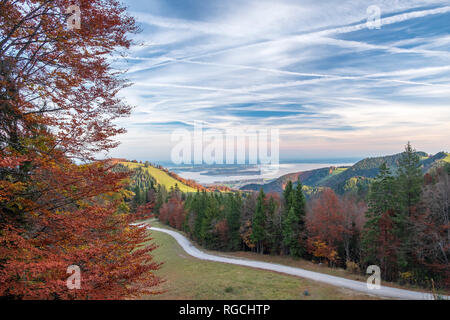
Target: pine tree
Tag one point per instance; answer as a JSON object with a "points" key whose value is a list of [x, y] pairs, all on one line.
{"points": [[379, 241], [234, 220], [409, 182], [410, 179], [294, 221], [161, 197], [287, 196], [258, 224], [198, 211], [273, 224]]}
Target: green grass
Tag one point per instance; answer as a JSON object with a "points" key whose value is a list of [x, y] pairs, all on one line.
{"points": [[299, 263], [193, 279], [447, 159], [161, 177], [335, 173]]}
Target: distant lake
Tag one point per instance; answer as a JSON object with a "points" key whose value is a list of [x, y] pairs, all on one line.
{"points": [[249, 173]]}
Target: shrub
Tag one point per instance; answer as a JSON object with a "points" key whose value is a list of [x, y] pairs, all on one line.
{"points": [[352, 267]]}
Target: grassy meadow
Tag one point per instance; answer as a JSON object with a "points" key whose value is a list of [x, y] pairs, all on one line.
{"points": [[193, 279], [161, 177]]}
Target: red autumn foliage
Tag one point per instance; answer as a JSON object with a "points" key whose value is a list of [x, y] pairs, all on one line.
{"points": [[428, 179], [58, 98], [430, 223], [327, 219], [145, 211], [388, 245], [331, 222], [222, 231], [173, 213]]}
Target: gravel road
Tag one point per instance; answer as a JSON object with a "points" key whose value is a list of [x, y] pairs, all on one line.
{"points": [[386, 292]]}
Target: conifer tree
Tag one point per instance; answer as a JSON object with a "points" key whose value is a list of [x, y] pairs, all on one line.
{"points": [[410, 179], [294, 221], [380, 231], [409, 183], [258, 224], [234, 220]]}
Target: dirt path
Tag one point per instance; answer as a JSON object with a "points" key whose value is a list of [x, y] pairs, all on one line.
{"points": [[386, 292]]}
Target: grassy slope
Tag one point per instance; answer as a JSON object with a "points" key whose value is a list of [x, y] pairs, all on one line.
{"points": [[193, 279], [161, 177], [304, 264], [335, 172], [447, 159], [309, 265]]}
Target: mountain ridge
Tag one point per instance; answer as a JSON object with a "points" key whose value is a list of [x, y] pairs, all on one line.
{"points": [[342, 179]]}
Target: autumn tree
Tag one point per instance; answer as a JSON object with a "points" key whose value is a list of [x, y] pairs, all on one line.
{"points": [[354, 211], [173, 212], [248, 210], [58, 103], [430, 230], [326, 224], [223, 232]]}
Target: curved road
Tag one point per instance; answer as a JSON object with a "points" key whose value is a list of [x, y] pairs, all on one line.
{"points": [[386, 292]]}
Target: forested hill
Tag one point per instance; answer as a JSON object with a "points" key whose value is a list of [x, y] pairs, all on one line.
{"points": [[162, 177], [345, 179]]}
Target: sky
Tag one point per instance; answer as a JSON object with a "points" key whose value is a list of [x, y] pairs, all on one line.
{"points": [[312, 69]]}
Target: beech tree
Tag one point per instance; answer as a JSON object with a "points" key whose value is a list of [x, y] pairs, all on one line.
{"points": [[430, 229], [173, 212], [326, 217], [354, 219], [58, 101]]}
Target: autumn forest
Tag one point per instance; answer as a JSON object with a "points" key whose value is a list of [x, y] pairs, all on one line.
{"points": [[64, 203]]}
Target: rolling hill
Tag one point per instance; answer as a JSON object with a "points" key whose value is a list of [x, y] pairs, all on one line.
{"points": [[343, 179], [161, 177]]}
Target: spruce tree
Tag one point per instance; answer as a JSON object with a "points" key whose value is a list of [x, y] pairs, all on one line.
{"points": [[161, 197], [273, 226], [234, 220], [383, 205], [258, 224], [287, 196], [409, 182], [294, 222], [410, 179]]}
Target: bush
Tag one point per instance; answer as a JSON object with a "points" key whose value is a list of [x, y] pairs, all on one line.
{"points": [[352, 267], [406, 277]]}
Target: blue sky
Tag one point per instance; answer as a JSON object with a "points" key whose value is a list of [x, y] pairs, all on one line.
{"points": [[312, 69]]}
